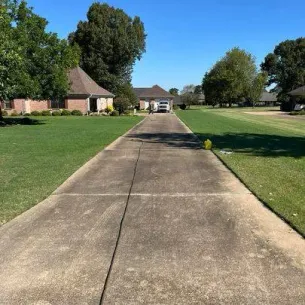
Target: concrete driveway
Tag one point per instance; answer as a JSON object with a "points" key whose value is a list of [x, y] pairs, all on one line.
{"points": [[153, 219]]}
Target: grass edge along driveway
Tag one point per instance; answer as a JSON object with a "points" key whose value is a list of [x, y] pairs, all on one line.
{"points": [[268, 155], [36, 159]]}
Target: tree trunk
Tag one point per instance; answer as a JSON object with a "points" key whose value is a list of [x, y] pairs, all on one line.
{"points": [[1, 116]]}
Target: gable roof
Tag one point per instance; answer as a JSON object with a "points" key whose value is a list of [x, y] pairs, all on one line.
{"points": [[83, 84], [298, 92], [153, 92], [268, 97]]}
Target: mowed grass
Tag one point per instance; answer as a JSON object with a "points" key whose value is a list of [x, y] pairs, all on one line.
{"points": [[268, 155], [36, 159]]}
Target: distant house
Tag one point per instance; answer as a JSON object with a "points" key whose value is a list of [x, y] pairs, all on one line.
{"points": [[268, 98], [84, 95], [298, 92], [152, 95]]}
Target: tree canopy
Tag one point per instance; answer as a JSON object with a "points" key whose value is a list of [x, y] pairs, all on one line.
{"points": [[286, 65], [174, 91], [233, 78], [110, 43], [33, 62]]}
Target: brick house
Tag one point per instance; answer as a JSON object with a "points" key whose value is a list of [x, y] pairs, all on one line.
{"points": [[152, 95], [84, 95]]}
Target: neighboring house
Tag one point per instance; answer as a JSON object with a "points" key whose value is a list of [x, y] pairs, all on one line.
{"points": [[298, 92], [177, 100], [84, 95], [152, 95], [268, 98]]}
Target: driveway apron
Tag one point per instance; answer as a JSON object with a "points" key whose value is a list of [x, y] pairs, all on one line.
{"points": [[152, 219]]}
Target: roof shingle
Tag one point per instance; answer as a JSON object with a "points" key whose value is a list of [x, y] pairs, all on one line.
{"points": [[268, 97], [154, 92], [298, 92], [83, 84]]}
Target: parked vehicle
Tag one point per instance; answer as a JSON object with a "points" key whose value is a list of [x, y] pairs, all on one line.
{"points": [[164, 106], [299, 107]]}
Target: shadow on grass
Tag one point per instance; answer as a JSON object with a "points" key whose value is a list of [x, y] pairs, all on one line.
{"points": [[20, 121], [264, 145]]}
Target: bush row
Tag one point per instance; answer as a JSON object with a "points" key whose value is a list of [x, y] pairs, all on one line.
{"points": [[63, 112], [109, 111]]}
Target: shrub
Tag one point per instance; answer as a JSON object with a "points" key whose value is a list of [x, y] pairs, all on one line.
{"points": [[183, 107], [66, 112], [109, 109], [14, 113], [35, 113], [76, 113], [114, 113], [56, 113], [121, 104], [302, 112], [27, 114], [175, 107], [4, 113], [46, 113], [128, 112]]}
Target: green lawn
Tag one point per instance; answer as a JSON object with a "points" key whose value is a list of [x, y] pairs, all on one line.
{"points": [[269, 155], [36, 159]]}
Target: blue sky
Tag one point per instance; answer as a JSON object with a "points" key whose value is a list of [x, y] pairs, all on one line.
{"points": [[185, 38]]}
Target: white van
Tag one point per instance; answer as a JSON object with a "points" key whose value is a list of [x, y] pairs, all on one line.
{"points": [[164, 106]]}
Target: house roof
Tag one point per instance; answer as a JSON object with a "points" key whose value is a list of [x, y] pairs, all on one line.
{"points": [[153, 92], [298, 92], [83, 84], [268, 97]]}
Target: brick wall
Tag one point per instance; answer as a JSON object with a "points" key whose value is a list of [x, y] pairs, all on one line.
{"points": [[39, 105], [18, 105], [77, 104]]}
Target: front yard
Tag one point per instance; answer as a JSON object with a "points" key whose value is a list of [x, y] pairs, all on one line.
{"points": [[268, 155], [36, 159]]}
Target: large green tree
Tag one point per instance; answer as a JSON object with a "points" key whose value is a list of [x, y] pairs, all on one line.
{"points": [[110, 43], [10, 59], [286, 65], [232, 78], [33, 62], [46, 58]]}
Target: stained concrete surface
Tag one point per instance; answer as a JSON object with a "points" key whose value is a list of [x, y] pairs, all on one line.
{"points": [[192, 233]]}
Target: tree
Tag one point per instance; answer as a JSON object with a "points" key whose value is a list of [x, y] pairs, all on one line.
{"points": [[110, 43], [257, 87], [198, 89], [46, 58], [126, 92], [189, 98], [10, 59], [188, 89], [174, 91], [231, 78], [286, 66], [33, 63]]}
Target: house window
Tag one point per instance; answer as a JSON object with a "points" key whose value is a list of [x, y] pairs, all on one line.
{"points": [[7, 104], [58, 104]]}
